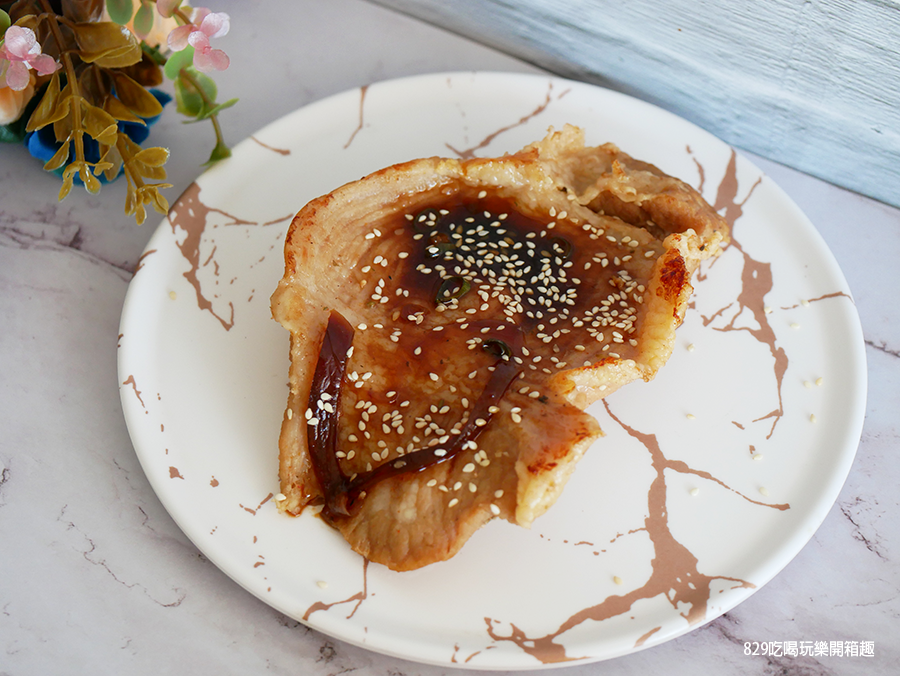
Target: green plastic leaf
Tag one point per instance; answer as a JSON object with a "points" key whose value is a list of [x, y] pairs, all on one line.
{"points": [[220, 152], [11, 134], [143, 19], [215, 110], [5, 21], [188, 99], [120, 11], [179, 60]]}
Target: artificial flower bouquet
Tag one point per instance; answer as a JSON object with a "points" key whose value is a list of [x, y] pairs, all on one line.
{"points": [[78, 85]]}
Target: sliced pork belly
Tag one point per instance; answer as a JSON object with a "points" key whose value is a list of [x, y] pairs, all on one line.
{"points": [[450, 320]]}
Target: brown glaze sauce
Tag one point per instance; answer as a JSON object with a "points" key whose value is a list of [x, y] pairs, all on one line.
{"points": [[341, 492], [477, 273]]}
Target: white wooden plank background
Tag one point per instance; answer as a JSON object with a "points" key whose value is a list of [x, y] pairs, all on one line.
{"points": [[812, 84]]}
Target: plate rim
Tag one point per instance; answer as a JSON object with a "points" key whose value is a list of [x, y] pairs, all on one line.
{"points": [[825, 504]]}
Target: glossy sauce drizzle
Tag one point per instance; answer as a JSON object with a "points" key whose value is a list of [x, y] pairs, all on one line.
{"points": [[341, 492], [459, 251]]}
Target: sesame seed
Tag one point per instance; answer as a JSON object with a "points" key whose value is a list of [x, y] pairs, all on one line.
{"points": [[495, 510], [469, 467], [820, 381], [617, 579], [695, 491], [763, 490], [434, 376], [812, 417]]}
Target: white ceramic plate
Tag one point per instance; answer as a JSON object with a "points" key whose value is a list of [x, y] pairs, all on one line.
{"points": [[710, 479]]}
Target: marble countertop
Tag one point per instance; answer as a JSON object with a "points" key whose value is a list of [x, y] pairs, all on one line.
{"points": [[95, 577]]}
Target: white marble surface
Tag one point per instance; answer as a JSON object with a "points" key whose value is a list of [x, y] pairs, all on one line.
{"points": [[96, 578]]}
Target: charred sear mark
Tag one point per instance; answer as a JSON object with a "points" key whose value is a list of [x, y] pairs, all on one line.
{"points": [[342, 492]]}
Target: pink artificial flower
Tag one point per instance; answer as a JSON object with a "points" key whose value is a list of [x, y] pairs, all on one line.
{"points": [[22, 51], [212, 25]]}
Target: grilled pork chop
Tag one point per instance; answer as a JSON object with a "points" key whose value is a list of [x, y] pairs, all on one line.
{"points": [[450, 320]]}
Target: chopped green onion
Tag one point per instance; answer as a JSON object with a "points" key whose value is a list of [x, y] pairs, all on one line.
{"points": [[497, 348], [450, 288]]}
